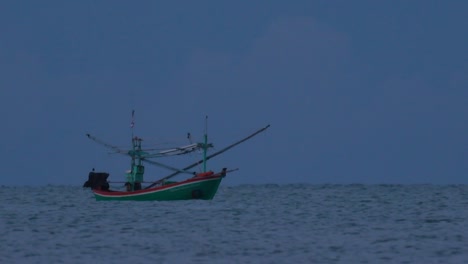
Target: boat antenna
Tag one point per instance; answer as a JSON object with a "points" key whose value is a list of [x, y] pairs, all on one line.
{"points": [[205, 146], [132, 124]]}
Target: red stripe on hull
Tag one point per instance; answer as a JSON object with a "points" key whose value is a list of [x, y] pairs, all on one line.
{"points": [[159, 188]]}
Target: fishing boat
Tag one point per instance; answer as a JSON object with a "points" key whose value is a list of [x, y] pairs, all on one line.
{"points": [[198, 185]]}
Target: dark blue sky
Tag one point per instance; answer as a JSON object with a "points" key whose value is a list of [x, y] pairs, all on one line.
{"points": [[355, 91]]}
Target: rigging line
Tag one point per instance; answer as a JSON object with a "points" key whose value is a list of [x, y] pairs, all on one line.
{"points": [[116, 149], [209, 157], [166, 166]]}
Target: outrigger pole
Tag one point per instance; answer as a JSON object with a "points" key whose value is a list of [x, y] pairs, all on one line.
{"points": [[208, 157]]}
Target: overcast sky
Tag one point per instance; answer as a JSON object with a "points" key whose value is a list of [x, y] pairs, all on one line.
{"points": [[355, 91]]}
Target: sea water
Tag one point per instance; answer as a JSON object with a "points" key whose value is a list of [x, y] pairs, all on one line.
{"points": [[243, 224]]}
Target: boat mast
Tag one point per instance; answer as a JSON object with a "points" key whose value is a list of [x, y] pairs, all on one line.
{"points": [[132, 124], [135, 176], [205, 146]]}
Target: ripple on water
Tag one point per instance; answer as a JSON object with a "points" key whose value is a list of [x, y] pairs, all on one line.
{"points": [[243, 224]]}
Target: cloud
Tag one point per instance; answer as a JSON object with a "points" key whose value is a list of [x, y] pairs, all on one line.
{"points": [[292, 57], [296, 47], [288, 76]]}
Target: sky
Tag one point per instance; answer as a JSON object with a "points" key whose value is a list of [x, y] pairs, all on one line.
{"points": [[367, 92]]}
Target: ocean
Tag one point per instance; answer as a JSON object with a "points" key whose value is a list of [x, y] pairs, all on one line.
{"points": [[296, 223]]}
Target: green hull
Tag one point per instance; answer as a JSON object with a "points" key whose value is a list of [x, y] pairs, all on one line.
{"points": [[203, 188]]}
